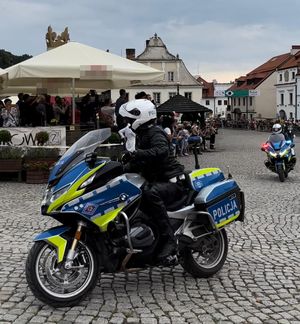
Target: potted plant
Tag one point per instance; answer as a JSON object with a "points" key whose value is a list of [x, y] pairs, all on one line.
{"points": [[38, 162], [41, 138], [5, 137], [11, 160]]}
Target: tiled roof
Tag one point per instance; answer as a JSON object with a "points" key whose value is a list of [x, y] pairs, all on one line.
{"points": [[181, 104], [254, 78], [208, 88]]}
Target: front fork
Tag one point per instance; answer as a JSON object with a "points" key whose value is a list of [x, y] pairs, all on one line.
{"points": [[71, 253]]}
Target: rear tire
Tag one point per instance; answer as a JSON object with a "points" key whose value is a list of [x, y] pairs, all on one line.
{"points": [[54, 285], [213, 251]]}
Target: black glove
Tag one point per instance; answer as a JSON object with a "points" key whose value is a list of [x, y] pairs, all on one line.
{"points": [[127, 157]]}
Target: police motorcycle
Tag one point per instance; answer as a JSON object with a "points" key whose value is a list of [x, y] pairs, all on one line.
{"points": [[104, 230], [280, 155]]}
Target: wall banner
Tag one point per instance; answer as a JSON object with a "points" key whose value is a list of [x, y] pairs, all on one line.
{"points": [[24, 136]]}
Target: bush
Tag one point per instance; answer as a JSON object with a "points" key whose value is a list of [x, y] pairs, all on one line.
{"points": [[41, 153], [11, 153], [38, 165], [5, 137], [41, 138]]}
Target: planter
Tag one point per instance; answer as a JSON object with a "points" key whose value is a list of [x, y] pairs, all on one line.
{"points": [[11, 166], [37, 176]]}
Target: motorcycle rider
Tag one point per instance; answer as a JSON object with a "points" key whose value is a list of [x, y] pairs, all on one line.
{"points": [[154, 160], [278, 136]]}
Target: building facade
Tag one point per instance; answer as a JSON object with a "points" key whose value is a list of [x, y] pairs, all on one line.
{"points": [[287, 86], [176, 79], [213, 96], [254, 95]]}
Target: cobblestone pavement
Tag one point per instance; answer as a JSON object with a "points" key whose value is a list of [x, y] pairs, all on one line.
{"points": [[259, 283]]}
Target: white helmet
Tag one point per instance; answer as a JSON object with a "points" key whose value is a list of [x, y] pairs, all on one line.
{"points": [[140, 111], [276, 129]]}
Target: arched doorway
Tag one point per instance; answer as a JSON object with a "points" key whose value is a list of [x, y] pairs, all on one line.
{"points": [[282, 114]]}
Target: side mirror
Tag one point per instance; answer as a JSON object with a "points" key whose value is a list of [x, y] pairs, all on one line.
{"points": [[91, 159]]}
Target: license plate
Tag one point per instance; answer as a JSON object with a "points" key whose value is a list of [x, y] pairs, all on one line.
{"points": [[225, 210]]}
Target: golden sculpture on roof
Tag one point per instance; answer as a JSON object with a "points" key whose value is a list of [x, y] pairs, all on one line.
{"points": [[53, 40]]}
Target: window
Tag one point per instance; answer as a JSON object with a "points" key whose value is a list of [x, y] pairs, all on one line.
{"points": [[280, 77], [172, 94], [188, 95], [156, 96], [244, 101], [234, 101], [239, 101], [282, 99], [250, 101], [291, 98], [207, 102], [225, 102], [293, 75], [170, 76], [219, 102], [291, 115]]}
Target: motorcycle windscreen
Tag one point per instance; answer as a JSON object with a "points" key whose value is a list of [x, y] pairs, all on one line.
{"points": [[77, 152]]}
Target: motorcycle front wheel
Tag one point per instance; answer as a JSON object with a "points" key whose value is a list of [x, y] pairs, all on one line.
{"points": [[207, 257], [280, 172], [55, 285]]}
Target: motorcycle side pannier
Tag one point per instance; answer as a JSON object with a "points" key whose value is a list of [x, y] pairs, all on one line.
{"points": [[223, 200]]}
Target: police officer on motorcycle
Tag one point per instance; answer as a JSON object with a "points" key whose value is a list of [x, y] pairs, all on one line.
{"points": [[153, 159]]}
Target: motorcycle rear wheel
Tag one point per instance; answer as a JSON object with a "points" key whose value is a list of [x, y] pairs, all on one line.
{"points": [[55, 285], [208, 258]]}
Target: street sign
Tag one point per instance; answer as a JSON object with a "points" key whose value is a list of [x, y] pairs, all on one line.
{"points": [[254, 93], [236, 93]]}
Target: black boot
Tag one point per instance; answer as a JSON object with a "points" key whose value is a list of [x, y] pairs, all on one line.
{"points": [[169, 248]]}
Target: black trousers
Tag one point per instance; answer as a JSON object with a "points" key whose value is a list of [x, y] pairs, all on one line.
{"points": [[156, 197]]}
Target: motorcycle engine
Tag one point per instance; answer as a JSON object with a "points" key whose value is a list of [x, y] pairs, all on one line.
{"points": [[141, 236]]}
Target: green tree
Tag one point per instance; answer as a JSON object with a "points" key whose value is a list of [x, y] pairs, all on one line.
{"points": [[8, 59]]}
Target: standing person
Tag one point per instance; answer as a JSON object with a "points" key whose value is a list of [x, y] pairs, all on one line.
{"points": [[9, 114], [1, 107], [108, 109], [120, 101], [58, 109], [153, 159], [212, 136], [41, 111]]}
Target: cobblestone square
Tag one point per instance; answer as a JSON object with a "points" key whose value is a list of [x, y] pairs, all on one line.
{"points": [[259, 283]]}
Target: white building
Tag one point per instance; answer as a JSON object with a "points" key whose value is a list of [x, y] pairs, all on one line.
{"points": [[176, 78], [287, 86], [213, 96]]}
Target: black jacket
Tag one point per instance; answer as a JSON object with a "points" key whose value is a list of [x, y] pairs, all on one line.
{"points": [[153, 157]]}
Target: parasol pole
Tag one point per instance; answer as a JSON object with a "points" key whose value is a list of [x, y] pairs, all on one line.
{"points": [[73, 101]]}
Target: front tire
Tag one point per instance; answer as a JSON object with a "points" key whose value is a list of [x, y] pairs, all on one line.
{"points": [[280, 172], [209, 256], [55, 285]]}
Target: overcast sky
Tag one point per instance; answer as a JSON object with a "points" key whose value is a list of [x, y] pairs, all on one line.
{"points": [[218, 39]]}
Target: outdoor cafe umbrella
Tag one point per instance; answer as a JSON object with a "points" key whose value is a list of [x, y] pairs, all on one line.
{"points": [[75, 66]]}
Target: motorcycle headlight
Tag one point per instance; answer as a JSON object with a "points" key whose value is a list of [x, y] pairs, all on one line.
{"points": [[272, 154], [87, 181], [59, 193], [282, 154]]}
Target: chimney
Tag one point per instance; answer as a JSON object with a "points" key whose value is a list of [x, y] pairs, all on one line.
{"points": [[130, 53], [295, 49]]}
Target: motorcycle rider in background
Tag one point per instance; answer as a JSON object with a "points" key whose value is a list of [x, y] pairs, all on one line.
{"points": [[154, 161], [278, 136]]}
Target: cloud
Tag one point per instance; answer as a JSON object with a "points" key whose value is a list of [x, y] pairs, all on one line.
{"points": [[229, 38]]}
